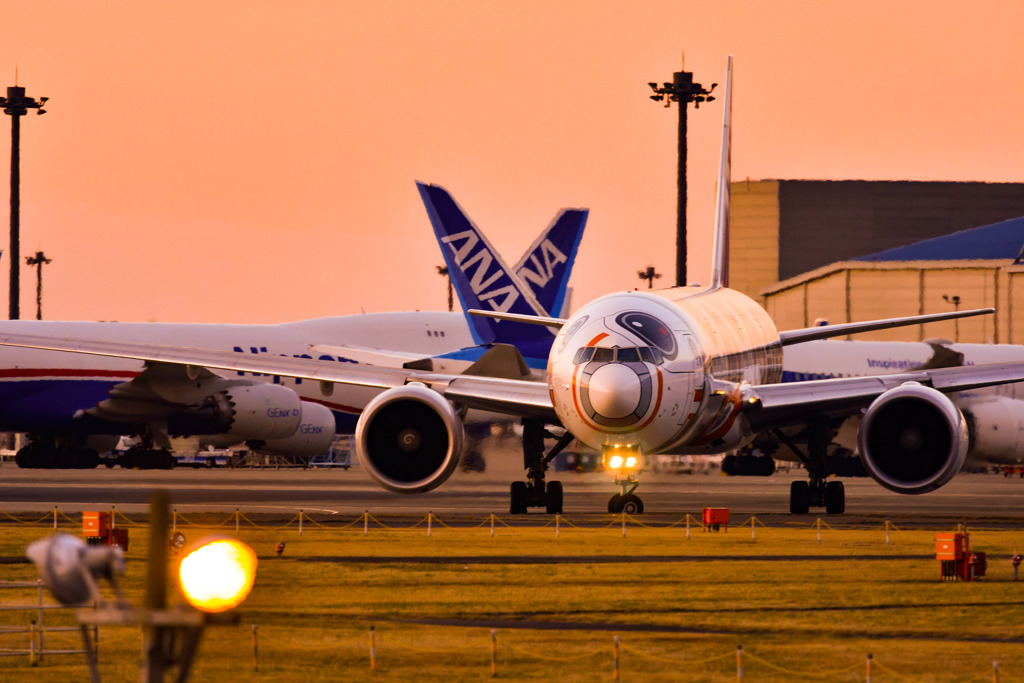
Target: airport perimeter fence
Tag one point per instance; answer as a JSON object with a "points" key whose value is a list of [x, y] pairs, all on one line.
{"points": [[366, 522], [502, 654]]}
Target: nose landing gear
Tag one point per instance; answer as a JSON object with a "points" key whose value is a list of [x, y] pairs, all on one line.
{"points": [[626, 501]]}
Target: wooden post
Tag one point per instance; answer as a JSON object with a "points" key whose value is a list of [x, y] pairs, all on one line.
{"points": [[494, 653], [616, 658], [373, 648]]}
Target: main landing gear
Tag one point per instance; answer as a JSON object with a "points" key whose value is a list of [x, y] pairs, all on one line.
{"points": [[818, 492], [46, 453], [535, 492]]}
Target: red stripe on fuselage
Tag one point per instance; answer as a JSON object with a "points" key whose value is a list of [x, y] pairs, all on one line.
{"points": [[33, 373]]}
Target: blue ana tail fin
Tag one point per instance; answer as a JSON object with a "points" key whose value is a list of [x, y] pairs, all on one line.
{"points": [[546, 266], [481, 278]]}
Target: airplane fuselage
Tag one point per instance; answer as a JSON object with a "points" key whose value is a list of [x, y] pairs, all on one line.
{"points": [[43, 391], [663, 371]]}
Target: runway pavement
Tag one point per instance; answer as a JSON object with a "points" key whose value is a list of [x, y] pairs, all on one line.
{"points": [[971, 496]]}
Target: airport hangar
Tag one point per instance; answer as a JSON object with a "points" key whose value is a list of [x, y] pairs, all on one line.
{"points": [[852, 250]]}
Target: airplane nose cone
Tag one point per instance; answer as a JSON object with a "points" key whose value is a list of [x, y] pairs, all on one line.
{"points": [[614, 390]]}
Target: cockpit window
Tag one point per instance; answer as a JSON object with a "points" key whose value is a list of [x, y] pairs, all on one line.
{"points": [[604, 355], [646, 355], [630, 355], [583, 355]]}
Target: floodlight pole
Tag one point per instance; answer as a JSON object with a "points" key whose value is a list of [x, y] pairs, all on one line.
{"points": [[683, 90], [443, 270], [39, 260], [649, 275], [17, 105]]}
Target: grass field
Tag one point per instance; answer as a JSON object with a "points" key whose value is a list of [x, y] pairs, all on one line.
{"points": [[802, 610]]}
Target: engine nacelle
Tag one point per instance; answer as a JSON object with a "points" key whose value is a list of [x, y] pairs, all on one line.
{"points": [[313, 437], [259, 411], [913, 439], [996, 428], [409, 439]]}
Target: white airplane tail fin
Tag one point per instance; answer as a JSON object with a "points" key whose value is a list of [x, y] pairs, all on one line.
{"points": [[720, 258]]}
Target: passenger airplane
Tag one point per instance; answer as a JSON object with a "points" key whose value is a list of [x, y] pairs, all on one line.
{"points": [[75, 405], [689, 370]]}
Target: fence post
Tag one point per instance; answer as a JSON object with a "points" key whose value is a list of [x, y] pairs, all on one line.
{"points": [[32, 644], [373, 649], [494, 653], [300, 521], [255, 651], [739, 663], [616, 658]]}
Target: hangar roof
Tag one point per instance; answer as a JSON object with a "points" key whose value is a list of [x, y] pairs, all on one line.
{"points": [[1004, 240]]}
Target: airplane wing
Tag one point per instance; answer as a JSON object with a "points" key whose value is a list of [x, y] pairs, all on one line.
{"points": [[521, 398], [775, 405], [842, 329]]}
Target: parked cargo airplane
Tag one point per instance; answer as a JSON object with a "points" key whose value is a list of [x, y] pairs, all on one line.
{"points": [[685, 370], [73, 405]]}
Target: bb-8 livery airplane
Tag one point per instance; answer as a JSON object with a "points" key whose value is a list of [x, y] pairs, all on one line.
{"points": [[687, 370]]}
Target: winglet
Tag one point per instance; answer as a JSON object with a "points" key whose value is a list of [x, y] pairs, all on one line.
{"points": [[720, 259]]}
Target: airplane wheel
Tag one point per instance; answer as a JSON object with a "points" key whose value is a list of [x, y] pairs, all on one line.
{"points": [[554, 498], [518, 491], [631, 504], [614, 503], [835, 498], [799, 498]]}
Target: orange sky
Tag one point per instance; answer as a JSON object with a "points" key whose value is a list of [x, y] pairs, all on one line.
{"points": [[254, 161]]}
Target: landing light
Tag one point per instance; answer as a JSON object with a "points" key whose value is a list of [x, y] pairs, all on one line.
{"points": [[218, 575], [622, 459]]}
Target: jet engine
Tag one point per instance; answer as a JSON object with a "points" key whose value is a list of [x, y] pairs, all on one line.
{"points": [[996, 428], [409, 439], [913, 439], [313, 437], [258, 411]]}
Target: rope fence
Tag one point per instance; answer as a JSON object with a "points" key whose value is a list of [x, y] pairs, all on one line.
{"points": [[499, 653], [558, 523]]}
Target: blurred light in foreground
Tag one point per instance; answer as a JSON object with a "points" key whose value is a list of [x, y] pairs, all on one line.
{"points": [[218, 575]]}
